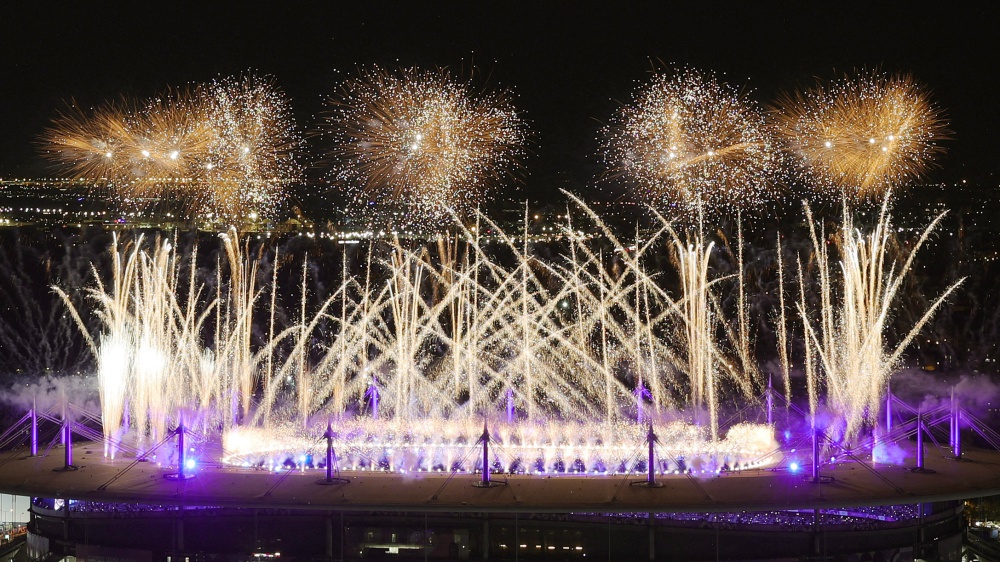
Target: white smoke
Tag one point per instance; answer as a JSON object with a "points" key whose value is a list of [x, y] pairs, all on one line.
{"points": [[975, 392], [51, 394]]}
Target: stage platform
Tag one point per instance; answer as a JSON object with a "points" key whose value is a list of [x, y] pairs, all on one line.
{"points": [[844, 484]]}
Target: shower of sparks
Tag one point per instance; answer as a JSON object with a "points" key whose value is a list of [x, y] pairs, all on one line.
{"points": [[548, 352], [849, 334], [224, 149], [419, 140], [862, 135], [254, 147], [689, 140], [436, 342]]}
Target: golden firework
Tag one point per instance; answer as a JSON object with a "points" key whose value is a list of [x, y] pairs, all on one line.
{"points": [[253, 149], [862, 135], [90, 145], [168, 136], [422, 140], [689, 140], [222, 149]]}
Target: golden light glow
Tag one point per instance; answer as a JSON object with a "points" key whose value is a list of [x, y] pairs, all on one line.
{"points": [[422, 140], [860, 135], [687, 139], [223, 148]]}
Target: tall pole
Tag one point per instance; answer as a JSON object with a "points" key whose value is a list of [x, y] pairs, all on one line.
{"points": [[66, 432], [952, 425], [875, 436], [888, 410], [331, 458], [770, 402], [651, 440], [329, 452], [485, 483], [815, 451], [68, 440], [182, 468], [650, 482], [920, 440], [34, 430], [181, 460], [956, 422]]}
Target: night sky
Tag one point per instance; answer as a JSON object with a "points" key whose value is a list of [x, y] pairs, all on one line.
{"points": [[570, 64]]}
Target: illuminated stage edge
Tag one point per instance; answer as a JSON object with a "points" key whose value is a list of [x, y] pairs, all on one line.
{"points": [[843, 484]]}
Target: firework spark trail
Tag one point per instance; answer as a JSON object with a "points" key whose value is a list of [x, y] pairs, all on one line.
{"points": [[849, 334], [168, 139], [584, 327], [808, 358], [782, 327], [225, 149], [699, 353], [421, 140], [694, 260], [254, 147], [691, 140], [862, 135], [86, 143], [388, 332]]}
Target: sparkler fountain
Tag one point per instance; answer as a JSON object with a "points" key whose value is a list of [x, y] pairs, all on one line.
{"points": [[383, 377], [427, 346]]}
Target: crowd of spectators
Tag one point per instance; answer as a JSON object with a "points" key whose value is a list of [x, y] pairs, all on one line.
{"points": [[857, 518], [114, 509], [854, 518]]}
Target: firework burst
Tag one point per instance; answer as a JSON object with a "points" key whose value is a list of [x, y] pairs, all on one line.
{"points": [[253, 149], [861, 136], [223, 149], [422, 141], [89, 145], [689, 140], [166, 139]]}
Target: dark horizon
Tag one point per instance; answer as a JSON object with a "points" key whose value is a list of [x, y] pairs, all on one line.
{"points": [[570, 65]]}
